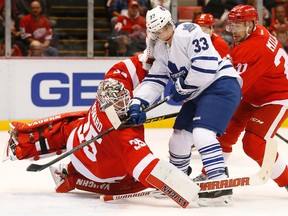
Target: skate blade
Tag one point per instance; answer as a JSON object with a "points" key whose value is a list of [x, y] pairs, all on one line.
{"points": [[216, 202]]}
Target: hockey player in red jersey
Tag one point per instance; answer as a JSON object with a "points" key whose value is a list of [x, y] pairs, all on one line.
{"points": [[263, 65], [117, 163], [206, 22]]}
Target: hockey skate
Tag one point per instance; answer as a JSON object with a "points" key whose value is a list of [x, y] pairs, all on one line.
{"points": [[200, 177], [214, 198]]}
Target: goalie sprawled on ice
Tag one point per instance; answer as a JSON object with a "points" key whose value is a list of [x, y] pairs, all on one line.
{"points": [[117, 163]]}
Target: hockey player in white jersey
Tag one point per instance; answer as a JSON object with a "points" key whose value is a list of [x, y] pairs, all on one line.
{"points": [[208, 86]]}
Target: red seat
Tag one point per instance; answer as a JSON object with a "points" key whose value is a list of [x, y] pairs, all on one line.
{"points": [[187, 13]]}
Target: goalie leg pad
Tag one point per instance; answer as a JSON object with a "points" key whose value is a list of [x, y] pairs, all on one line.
{"points": [[174, 183], [67, 178]]}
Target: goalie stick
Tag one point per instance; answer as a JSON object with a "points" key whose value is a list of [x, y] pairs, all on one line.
{"points": [[38, 167], [259, 178], [281, 137]]}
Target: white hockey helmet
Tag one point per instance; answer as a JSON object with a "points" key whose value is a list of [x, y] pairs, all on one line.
{"points": [[157, 18], [113, 92]]}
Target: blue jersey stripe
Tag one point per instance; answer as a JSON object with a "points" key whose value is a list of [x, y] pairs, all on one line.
{"points": [[205, 58], [203, 70], [156, 81], [157, 76]]}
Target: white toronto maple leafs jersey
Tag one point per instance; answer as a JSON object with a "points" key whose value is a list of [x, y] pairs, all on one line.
{"points": [[190, 55]]}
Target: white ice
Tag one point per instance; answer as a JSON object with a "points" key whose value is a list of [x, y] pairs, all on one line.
{"points": [[26, 193]]}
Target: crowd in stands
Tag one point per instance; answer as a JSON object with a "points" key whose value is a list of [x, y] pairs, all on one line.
{"points": [[274, 19], [30, 25], [30, 22]]}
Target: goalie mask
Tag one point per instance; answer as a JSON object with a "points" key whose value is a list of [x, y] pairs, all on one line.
{"points": [[113, 92]]}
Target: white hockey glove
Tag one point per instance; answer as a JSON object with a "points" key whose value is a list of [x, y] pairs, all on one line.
{"points": [[179, 91], [148, 52]]}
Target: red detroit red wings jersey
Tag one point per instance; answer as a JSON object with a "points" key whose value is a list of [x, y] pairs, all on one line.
{"points": [[124, 23], [263, 66], [220, 45], [40, 30], [129, 72], [113, 157], [121, 153]]}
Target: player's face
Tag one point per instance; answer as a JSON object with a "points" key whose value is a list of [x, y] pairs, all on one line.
{"points": [[122, 105], [165, 33], [207, 29], [239, 30]]}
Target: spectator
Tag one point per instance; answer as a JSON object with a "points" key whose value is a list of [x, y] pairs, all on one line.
{"points": [[35, 26], [24, 9], [219, 9], [36, 49], [265, 12], [282, 37], [120, 7], [17, 47], [129, 32], [14, 8], [281, 21], [164, 3]]}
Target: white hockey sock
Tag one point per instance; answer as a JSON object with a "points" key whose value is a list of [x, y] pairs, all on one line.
{"points": [[180, 161]]}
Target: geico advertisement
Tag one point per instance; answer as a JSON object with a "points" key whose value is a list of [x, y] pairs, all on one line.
{"points": [[32, 89]]}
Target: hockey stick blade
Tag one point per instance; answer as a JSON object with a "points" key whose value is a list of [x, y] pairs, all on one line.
{"points": [[259, 178], [39, 167]]}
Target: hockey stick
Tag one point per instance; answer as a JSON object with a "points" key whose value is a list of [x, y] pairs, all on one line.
{"points": [[153, 119], [259, 178], [39, 167], [281, 137]]}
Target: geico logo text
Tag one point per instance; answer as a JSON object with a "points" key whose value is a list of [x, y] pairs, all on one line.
{"points": [[57, 89]]}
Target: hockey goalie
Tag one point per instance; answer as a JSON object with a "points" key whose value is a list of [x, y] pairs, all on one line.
{"points": [[119, 162]]}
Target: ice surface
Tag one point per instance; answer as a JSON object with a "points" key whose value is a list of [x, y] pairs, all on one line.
{"points": [[25, 193]]}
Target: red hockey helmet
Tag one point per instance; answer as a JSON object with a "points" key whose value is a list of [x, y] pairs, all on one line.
{"points": [[205, 19], [243, 13]]}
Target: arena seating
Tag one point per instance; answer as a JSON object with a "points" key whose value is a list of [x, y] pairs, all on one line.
{"points": [[71, 28]]}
